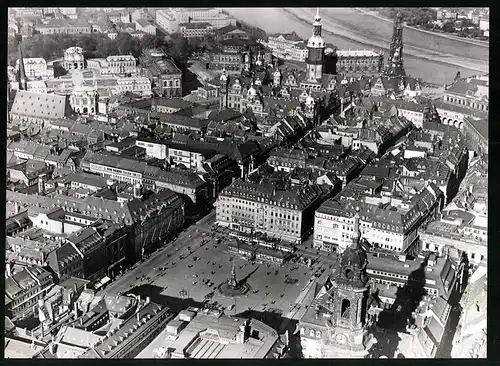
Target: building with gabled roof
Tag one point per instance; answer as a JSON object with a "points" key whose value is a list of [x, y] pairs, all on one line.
{"points": [[389, 224], [39, 107], [23, 290]]}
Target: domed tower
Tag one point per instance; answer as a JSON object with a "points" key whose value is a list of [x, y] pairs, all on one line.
{"points": [[74, 59], [315, 52], [395, 62], [350, 292]]}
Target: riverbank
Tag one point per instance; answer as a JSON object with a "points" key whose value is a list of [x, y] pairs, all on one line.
{"points": [[372, 34], [329, 26], [474, 42]]}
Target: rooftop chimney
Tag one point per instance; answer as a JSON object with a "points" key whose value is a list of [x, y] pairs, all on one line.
{"points": [[16, 207]]}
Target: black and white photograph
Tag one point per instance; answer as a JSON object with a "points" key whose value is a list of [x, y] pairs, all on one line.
{"points": [[246, 183]]}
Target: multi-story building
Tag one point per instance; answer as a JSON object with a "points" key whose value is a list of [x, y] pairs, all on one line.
{"points": [[66, 26], [191, 333], [23, 290], [192, 157], [287, 46], [163, 72], [261, 208], [145, 26], [214, 16], [166, 20], [137, 85], [414, 112], [470, 93], [196, 30], [388, 228], [121, 64], [36, 68], [476, 132], [169, 106], [114, 167], [454, 115], [133, 334], [484, 26], [286, 160], [359, 62]]}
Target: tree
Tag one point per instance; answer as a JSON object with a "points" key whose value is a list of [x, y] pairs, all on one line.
{"points": [[449, 27]]}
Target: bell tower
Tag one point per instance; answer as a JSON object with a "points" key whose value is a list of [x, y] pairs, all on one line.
{"points": [[315, 52], [350, 291], [395, 62]]}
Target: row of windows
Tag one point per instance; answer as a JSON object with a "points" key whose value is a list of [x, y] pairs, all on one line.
{"points": [[169, 83]]}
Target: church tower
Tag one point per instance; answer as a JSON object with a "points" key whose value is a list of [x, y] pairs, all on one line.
{"points": [[315, 52], [348, 333], [395, 62], [23, 82]]}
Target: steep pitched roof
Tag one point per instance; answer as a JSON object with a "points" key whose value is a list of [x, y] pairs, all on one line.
{"points": [[39, 105]]}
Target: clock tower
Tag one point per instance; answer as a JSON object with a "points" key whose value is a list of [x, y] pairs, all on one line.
{"points": [[348, 336], [395, 62]]}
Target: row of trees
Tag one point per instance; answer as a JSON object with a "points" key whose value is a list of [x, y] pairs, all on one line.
{"points": [[413, 16], [97, 45]]}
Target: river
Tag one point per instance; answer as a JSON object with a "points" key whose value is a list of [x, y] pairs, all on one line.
{"points": [[433, 58]]}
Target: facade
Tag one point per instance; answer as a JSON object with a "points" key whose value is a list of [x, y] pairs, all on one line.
{"points": [[359, 62], [394, 65], [476, 132], [23, 290], [163, 73], [189, 156], [392, 230], [414, 112], [121, 64], [469, 93], [145, 26], [36, 68], [261, 208], [287, 46], [166, 20], [196, 30], [65, 26], [136, 84], [454, 115]]}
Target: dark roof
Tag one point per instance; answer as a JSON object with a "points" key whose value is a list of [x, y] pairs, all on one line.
{"points": [[224, 115]]}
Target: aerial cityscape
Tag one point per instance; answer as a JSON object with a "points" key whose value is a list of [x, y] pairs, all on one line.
{"points": [[267, 183]]}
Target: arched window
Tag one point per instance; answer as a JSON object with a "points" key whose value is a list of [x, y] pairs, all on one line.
{"points": [[345, 309], [318, 334], [311, 333]]}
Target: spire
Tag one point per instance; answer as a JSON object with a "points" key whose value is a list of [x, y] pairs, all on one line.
{"points": [[357, 235], [317, 18], [23, 85]]}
